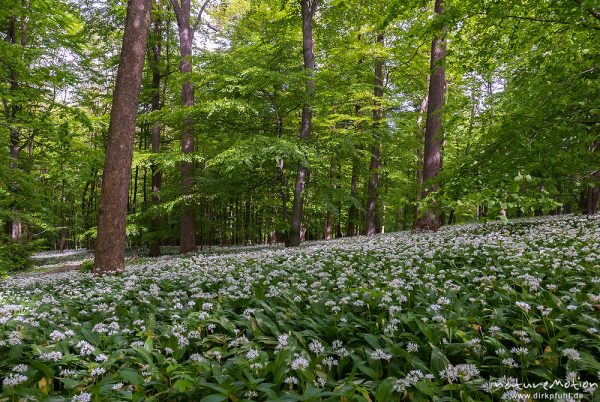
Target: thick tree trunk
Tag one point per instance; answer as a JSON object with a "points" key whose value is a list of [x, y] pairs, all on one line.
{"points": [[375, 166], [112, 211], [155, 222], [432, 155], [308, 46]]}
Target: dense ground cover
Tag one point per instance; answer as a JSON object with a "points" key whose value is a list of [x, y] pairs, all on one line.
{"points": [[476, 312]]}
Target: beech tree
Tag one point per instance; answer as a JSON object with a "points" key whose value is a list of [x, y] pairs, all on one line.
{"points": [[432, 154], [112, 210], [156, 105], [514, 143], [373, 202], [309, 8], [182, 9]]}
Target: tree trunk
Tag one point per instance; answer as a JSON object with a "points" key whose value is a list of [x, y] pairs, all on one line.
{"points": [[375, 166], [420, 145], [112, 211], [182, 10], [432, 155], [308, 11], [11, 111], [63, 223], [353, 211], [329, 213], [155, 222]]}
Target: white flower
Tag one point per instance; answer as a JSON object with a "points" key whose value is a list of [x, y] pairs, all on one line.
{"points": [[379, 354], [412, 347], [14, 379], [85, 348], [98, 371], [101, 358], [252, 354], [82, 397], [291, 380], [118, 386], [67, 372], [523, 306], [464, 372], [509, 362], [299, 363], [57, 336], [571, 353], [20, 368], [330, 361], [51, 356], [316, 347], [282, 341]]}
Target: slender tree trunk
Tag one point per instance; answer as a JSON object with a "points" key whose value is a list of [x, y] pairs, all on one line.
{"points": [[375, 166], [329, 213], [11, 111], [135, 189], [338, 186], [591, 196], [155, 222], [182, 10], [283, 192], [110, 247], [432, 155], [63, 223], [309, 8], [420, 145], [353, 211]]}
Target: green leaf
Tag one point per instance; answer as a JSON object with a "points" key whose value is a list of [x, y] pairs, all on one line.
{"points": [[214, 398]]}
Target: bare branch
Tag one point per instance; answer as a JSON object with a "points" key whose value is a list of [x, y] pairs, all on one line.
{"points": [[199, 18], [208, 25]]}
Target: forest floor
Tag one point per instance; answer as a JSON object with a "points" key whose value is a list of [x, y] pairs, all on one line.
{"points": [[473, 312]]}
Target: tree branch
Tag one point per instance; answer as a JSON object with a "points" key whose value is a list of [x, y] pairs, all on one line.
{"points": [[177, 10], [590, 10], [199, 18], [214, 28]]}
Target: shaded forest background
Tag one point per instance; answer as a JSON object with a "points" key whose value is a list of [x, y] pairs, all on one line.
{"points": [[519, 129]]}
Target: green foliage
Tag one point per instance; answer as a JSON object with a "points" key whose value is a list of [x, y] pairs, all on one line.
{"points": [[86, 267], [381, 319], [15, 257]]}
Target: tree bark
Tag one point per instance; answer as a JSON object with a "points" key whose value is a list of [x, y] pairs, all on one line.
{"points": [[420, 145], [112, 211], [375, 166], [309, 8], [11, 111], [155, 222], [432, 155], [63, 222], [182, 10], [353, 211], [329, 213]]}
